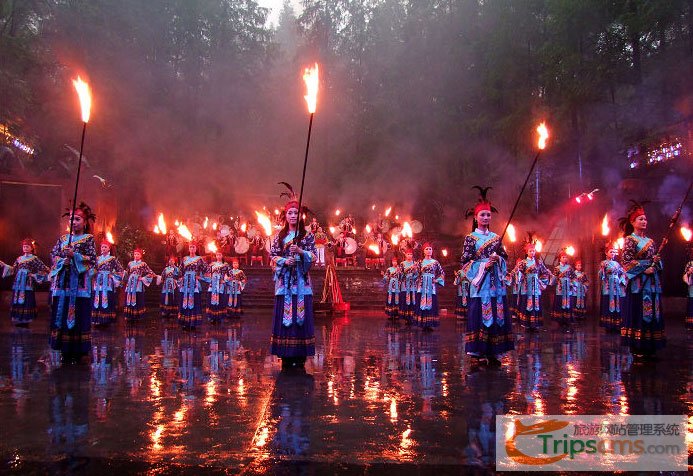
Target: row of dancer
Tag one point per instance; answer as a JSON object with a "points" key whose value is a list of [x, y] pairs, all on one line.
{"points": [[181, 286]]}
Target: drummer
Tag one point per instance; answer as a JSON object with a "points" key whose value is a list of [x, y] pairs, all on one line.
{"points": [[340, 245]]}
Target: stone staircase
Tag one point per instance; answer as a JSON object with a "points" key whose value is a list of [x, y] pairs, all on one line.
{"points": [[362, 288]]}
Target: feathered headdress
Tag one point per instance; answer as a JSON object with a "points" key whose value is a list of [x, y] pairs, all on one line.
{"points": [[30, 242], [482, 203], [292, 199], [530, 242], [634, 210], [85, 209]]}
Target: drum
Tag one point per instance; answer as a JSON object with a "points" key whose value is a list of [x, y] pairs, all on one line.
{"points": [[350, 246], [242, 245], [251, 233], [225, 230], [416, 226]]}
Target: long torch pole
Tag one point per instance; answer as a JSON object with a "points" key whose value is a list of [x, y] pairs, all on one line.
{"points": [[79, 169], [517, 201], [675, 219], [305, 165]]}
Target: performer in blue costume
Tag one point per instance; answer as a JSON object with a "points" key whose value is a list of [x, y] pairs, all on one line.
{"points": [[489, 327], [28, 270], [292, 255], [74, 257]]}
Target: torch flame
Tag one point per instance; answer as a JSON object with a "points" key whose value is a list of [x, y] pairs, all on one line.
{"points": [[353, 230], [276, 211], [156, 229], [109, 237], [395, 239], [185, 232], [212, 247], [332, 229], [337, 212], [620, 243], [84, 93], [312, 80], [368, 228], [162, 224], [387, 212], [445, 252], [244, 227], [511, 233], [543, 135], [214, 226], [687, 233], [204, 225], [374, 248], [406, 230], [570, 250], [538, 246], [177, 223], [605, 225], [265, 222]]}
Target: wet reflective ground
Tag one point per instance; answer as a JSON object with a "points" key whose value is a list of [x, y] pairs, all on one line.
{"points": [[377, 398]]}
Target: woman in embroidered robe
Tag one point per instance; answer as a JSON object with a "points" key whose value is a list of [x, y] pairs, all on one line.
{"points": [[108, 276], [409, 275], [564, 276], [74, 256], [642, 328], [194, 268], [168, 280], [580, 286], [534, 277], [138, 276], [235, 285], [218, 297], [28, 269], [613, 289], [688, 279], [489, 326], [292, 255], [512, 279], [431, 275], [462, 298], [391, 278]]}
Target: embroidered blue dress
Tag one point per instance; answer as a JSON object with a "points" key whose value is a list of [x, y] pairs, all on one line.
{"points": [[533, 277], [293, 332], [489, 327], [169, 291], [28, 270], [688, 279], [613, 290], [139, 275], [563, 302], [71, 295], [235, 285], [190, 310], [409, 274], [580, 283], [391, 279], [462, 299], [643, 324], [218, 297], [431, 275], [108, 275]]}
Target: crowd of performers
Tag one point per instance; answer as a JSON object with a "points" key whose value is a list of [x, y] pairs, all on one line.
{"points": [[84, 287]]}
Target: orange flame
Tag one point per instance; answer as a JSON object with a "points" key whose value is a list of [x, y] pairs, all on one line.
{"points": [[406, 230], [312, 80], [620, 243], [372, 207], [212, 247], [445, 252], [543, 135], [605, 225], [332, 229], [353, 229], [84, 93], [156, 230], [374, 248], [368, 228], [387, 212], [511, 233], [204, 225], [395, 239], [337, 212], [162, 224], [538, 246], [185, 232], [214, 226], [687, 233], [244, 227], [265, 222], [109, 238], [276, 211], [570, 250], [177, 223]]}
